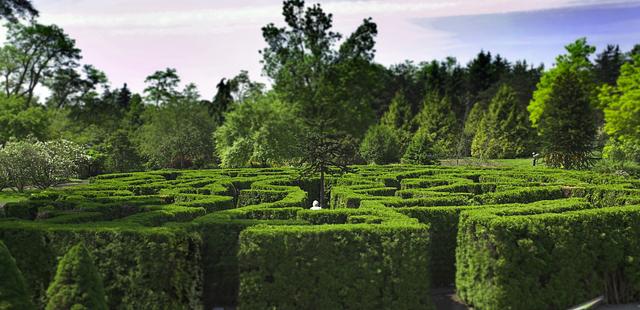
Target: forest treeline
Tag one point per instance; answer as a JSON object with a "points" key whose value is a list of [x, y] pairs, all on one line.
{"points": [[329, 104]]}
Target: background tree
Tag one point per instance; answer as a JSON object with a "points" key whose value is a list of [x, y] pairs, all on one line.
{"points": [[381, 145], [12, 10], [421, 149], [32, 52], [13, 290], [622, 111], [323, 84], [438, 119], [607, 65], [504, 131], [77, 284], [162, 86], [68, 87], [562, 109], [260, 132], [122, 154], [18, 122], [176, 135]]}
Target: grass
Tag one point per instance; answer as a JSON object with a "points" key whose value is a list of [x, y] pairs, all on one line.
{"points": [[470, 161]]}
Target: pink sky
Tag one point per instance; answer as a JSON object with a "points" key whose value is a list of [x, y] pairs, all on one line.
{"points": [[206, 40]]}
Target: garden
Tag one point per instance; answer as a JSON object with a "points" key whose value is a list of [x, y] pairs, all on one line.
{"points": [[504, 237]]}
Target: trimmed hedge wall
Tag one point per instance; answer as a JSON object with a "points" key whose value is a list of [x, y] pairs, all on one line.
{"points": [[245, 237], [334, 267], [548, 260]]}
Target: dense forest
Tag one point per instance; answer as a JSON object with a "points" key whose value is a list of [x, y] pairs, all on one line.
{"points": [[329, 104]]}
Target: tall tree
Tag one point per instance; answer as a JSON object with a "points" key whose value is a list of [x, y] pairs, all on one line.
{"points": [[622, 110], [607, 65], [162, 86], [438, 120], [69, 87], [12, 10], [32, 52], [504, 131], [562, 109], [322, 83]]}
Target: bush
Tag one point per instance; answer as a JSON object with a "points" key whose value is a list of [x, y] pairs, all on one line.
{"points": [[13, 291], [77, 284], [380, 145], [40, 164]]}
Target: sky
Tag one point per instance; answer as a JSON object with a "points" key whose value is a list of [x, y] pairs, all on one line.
{"points": [[206, 40]]}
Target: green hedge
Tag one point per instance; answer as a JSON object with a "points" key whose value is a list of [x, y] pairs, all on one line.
{"points": [[356, 266], [142, 268], [548, 260]]}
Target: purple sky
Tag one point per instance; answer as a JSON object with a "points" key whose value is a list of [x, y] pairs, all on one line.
{"points": [[206, 40]]}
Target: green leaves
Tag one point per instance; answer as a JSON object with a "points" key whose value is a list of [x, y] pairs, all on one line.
{"points": [[77, 284]]}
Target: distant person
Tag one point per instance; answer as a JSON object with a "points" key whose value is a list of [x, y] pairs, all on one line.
{"points": [[316, 205], [535, 158]]}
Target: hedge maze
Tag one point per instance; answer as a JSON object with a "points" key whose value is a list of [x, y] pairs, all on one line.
{"points": [[506, 238]]}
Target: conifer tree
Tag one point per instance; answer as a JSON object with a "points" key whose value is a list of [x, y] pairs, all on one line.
{"points": [[562, 109], [77, 284], [504, 131], [380, 145], [421, 149], [13, 290], [439, 121]]}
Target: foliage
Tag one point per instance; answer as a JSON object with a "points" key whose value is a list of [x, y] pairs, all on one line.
{"points": [[421, 150], [33, 51], [121, 153], [345, 263], [40, 164], [162, 86], [437, 119], [504, 131], [14, 9], [621, 110], [176, 135], [381, 145], [562, 109], [260, 131], [13, 290], [77, 284], [20, 122]]}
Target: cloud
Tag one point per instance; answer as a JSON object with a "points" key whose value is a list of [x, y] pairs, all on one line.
{"points": [[194, 18]]}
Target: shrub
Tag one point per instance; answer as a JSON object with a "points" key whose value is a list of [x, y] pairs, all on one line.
{"points": [[380, 145], [13, 291], [77, 284]]}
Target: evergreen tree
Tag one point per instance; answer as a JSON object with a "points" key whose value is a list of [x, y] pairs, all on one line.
{"points": [[399, 114], [13, 290], [421, 149], [562, 109], [607, 65], [504, 131], [77, 284], [622, 111], [380, 145], [438, 119]]}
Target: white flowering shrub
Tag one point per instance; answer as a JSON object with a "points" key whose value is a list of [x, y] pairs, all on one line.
{"points": [[40, 164]]}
